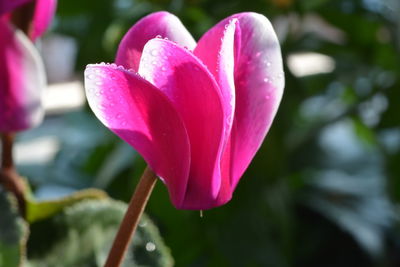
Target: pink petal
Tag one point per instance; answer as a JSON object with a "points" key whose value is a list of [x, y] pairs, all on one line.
{"points": [[216, 51], [196, 96], [259, 83], [22, 80], [7, 6], [145, 118], [44, 13], [162, 24]]}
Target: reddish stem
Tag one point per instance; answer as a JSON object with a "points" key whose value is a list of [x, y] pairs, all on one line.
{"points": [[9, 178], [131, 220]]}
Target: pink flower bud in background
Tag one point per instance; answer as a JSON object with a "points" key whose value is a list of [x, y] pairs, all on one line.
{"points": [[22, 75], [196, 113]]}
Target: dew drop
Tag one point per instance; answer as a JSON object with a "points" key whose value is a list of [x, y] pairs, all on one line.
{"points": [[99, 83], [119, 116], [266, 80], [91, 76], [123, 123], [163, 68], [154, 62], [154, 52], [158, 36], [150, 246], [268, 64]]}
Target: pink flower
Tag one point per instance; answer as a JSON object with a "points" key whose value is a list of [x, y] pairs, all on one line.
{"points": [[22, 76], [43, 13], [196, 113]]}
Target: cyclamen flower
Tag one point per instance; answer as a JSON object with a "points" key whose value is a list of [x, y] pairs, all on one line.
{"points": [[197, 113], [22, 75]]}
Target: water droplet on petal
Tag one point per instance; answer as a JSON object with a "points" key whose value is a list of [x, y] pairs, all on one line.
{"points": [[154, 52], [91, 76], [163, 68], [99, 83], [268, 64], [154, 62], [158, 36], [119, 116], [266, 80]]}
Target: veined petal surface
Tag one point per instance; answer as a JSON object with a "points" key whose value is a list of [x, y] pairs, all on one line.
{"points": [[160, 24], [143, 117], [196, 96], [22, 81], [216, 51], [259, 83]]}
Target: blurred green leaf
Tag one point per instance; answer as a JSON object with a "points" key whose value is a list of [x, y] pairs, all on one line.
{"points": [[82, 235], [39, 210], [13, 232]]}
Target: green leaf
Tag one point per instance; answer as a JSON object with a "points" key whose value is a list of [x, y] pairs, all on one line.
{"points": [[38, 210], [13, 232], [83, 234]]}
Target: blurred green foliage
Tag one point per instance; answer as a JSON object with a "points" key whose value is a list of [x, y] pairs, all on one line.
{"points": [[323, 190]]}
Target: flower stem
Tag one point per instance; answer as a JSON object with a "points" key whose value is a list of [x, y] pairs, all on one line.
{"points": [[9, 178], [131, 220]]}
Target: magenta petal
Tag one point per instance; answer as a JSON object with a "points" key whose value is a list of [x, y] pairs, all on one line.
{"points": [[145, 118], [22, 80], [44, 13], [216, 51], [196, 96], [8, 5], [159, 24], [259, 83]]}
